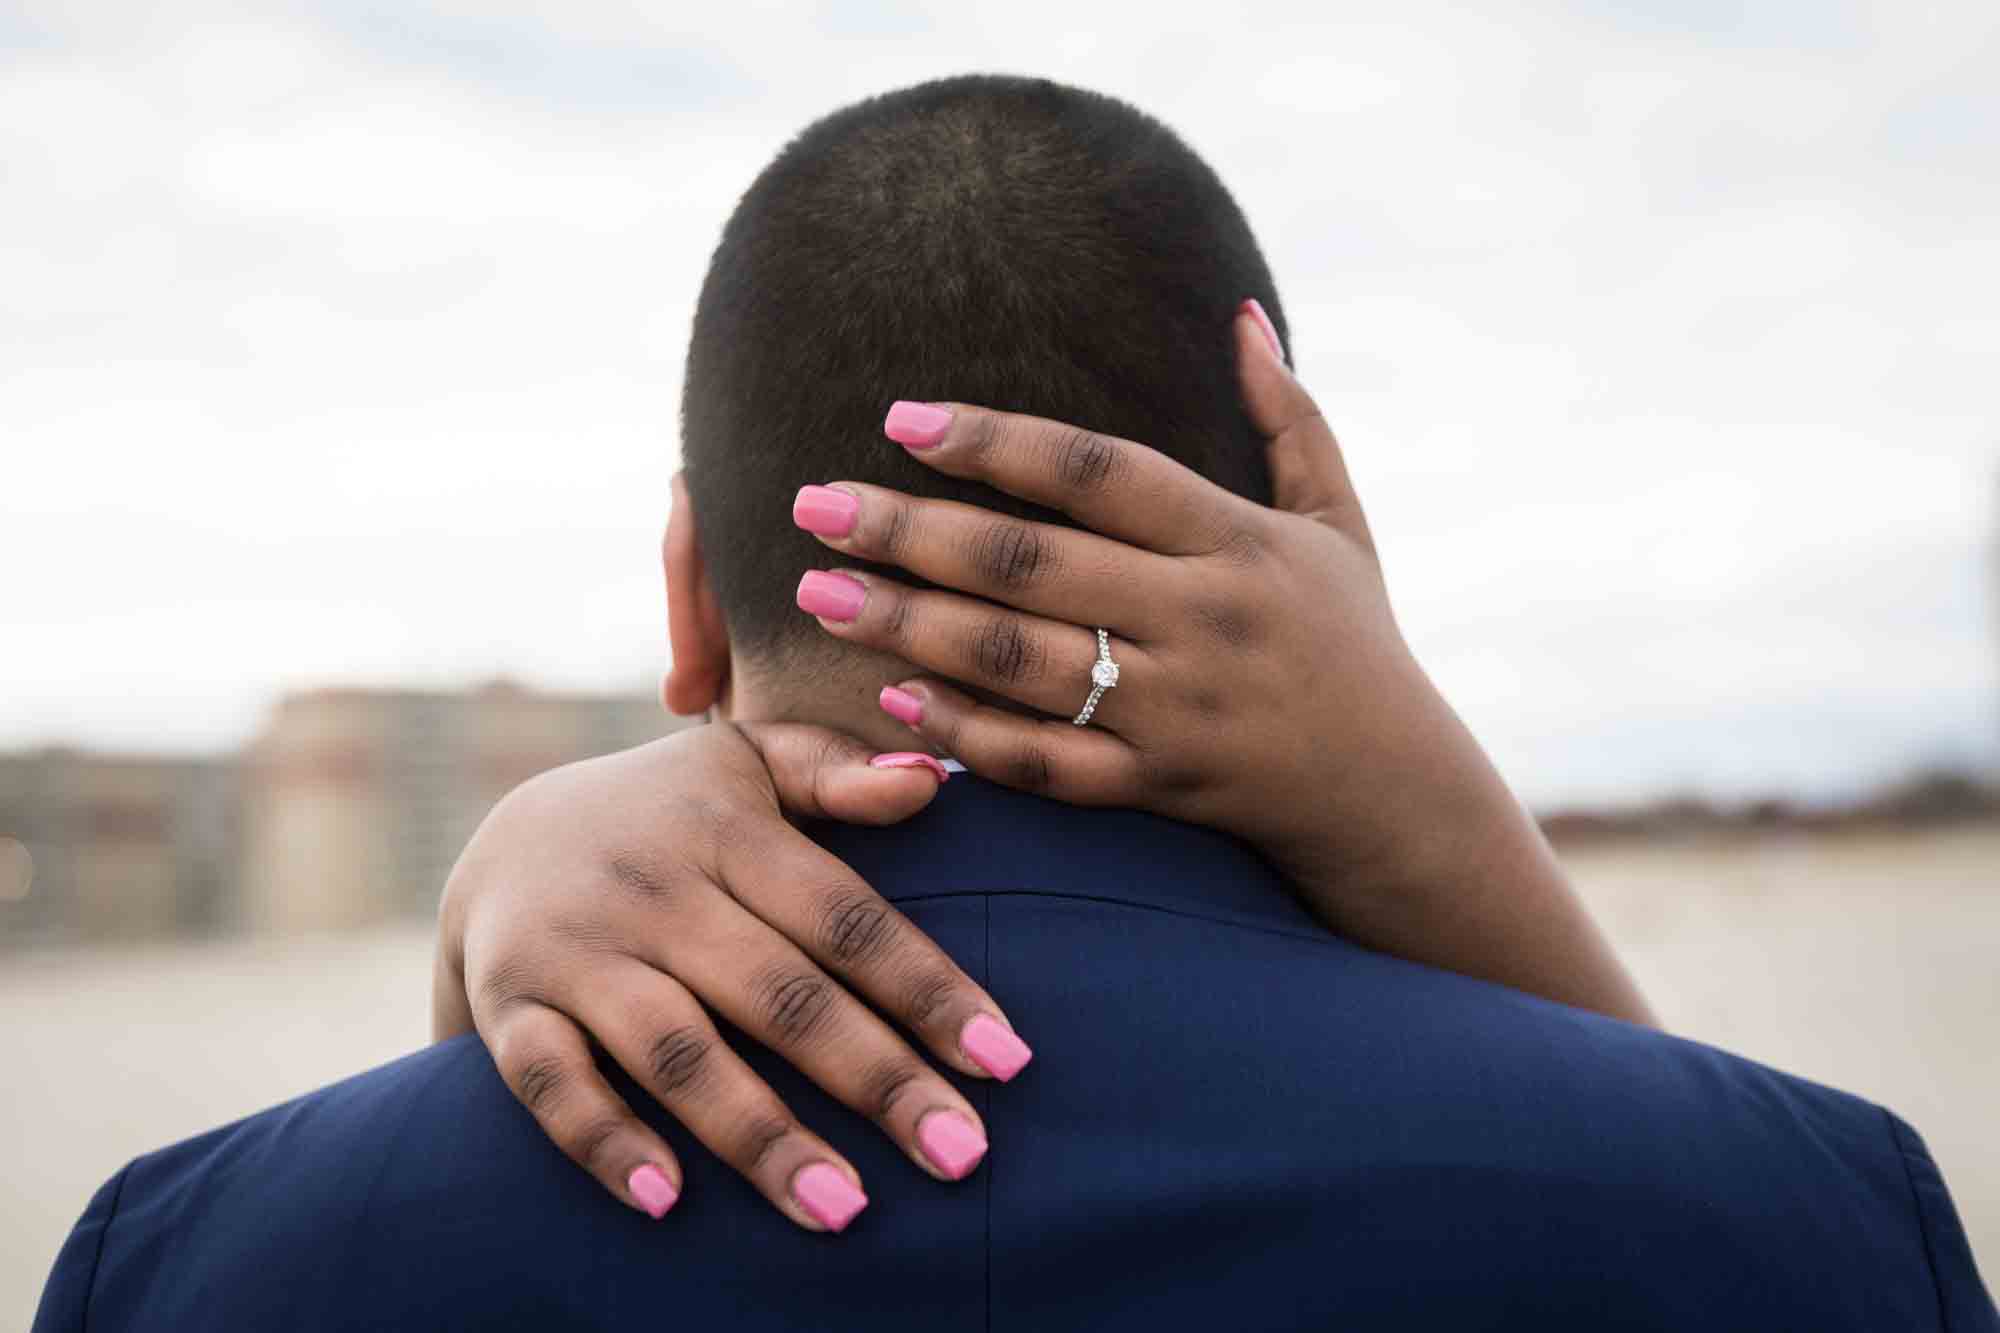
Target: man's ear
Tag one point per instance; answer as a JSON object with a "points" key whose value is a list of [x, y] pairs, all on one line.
{"points": [[695, 628]]}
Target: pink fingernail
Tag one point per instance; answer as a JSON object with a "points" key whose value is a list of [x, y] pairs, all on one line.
{"points": [[916, 425], [905, 707], [835, 596], [823, 510], [952, 1143], [910, 759], [992, 1046], [1256, 310], [828, 1196], [650, 1186]]}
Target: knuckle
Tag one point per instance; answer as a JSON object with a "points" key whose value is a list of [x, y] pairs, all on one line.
{"points": [[540, 1083], [512, 981], [1030, 768], [593, 1138], [760, 1135], [679, 1060], [717, 821], [1005, 650], [1124, 779], [856, 926], [1228, 623], [982, 432], [1085, 460], [889, 537], [828, 753], [953, 731], [1168, 777], [1013, 556], [795, 1005], [639, 876], [1241, 546], [590, 935], [930, 994], [897, 613], [885, 1083]]}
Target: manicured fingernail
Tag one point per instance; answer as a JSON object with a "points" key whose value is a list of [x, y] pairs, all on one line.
{"points": [[835, 596], [905, 707], [823, 510], [992, 1045], [910, 759], [952, 1142], [916, 425], [655, 1193], [1256, 310], [828, 1196]]}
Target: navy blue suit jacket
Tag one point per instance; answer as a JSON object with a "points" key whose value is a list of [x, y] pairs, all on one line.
{"points": [[1233, 1119]]}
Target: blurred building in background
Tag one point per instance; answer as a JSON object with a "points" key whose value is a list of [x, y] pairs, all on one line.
{"points": [[357, 802], [349, 807], [105, 846]]}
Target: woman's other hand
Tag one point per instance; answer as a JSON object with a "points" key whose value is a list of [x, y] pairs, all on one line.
{"points": [[622, 899], [1264, 686]]}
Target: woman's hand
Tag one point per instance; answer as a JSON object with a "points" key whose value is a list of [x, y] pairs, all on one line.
{"points": [[622, 898], [1264, 686]]}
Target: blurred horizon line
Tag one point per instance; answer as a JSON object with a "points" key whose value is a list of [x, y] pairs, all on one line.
{"points": [[1919, 769]]}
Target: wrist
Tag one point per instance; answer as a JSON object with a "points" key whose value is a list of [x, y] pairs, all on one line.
{"points": [[1421, 810], [1437, 862]]}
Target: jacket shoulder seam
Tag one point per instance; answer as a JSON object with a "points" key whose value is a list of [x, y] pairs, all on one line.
{"points": [[103, 1235], [1903, 1154], [1310, 933]]}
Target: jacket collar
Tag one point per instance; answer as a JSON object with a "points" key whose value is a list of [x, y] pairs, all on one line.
{"points": [[977, 837]]}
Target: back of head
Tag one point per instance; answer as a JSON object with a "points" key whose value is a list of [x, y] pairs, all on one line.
{"points": [[1002, 241]]}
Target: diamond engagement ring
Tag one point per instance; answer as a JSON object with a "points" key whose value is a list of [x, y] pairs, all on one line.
{"points": [[1103, 676]]}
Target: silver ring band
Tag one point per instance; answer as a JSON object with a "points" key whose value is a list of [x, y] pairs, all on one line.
{"points": [[1103, 676]]}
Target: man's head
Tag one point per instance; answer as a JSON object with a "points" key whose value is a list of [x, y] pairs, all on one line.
{"points": [[1007, 242]]}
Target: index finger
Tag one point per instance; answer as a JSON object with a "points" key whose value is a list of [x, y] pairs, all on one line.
{"points": [[814, 899], [1308, 473], [1111, 486]]}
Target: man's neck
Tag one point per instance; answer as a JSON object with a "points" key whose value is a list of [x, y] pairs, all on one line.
{"points": [[843, 697]]}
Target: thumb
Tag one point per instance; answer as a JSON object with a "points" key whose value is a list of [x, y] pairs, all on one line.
{"points": [[819, 773], [1308, 474]]}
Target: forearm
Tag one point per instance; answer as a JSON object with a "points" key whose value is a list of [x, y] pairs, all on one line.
{"points": [[1461, 878], [450, 1013]]}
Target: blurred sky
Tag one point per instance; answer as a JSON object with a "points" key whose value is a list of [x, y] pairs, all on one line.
{"points": [[341, 342]]}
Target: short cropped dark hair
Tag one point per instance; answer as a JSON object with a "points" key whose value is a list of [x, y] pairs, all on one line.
{"points": [[1008, 242]]}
